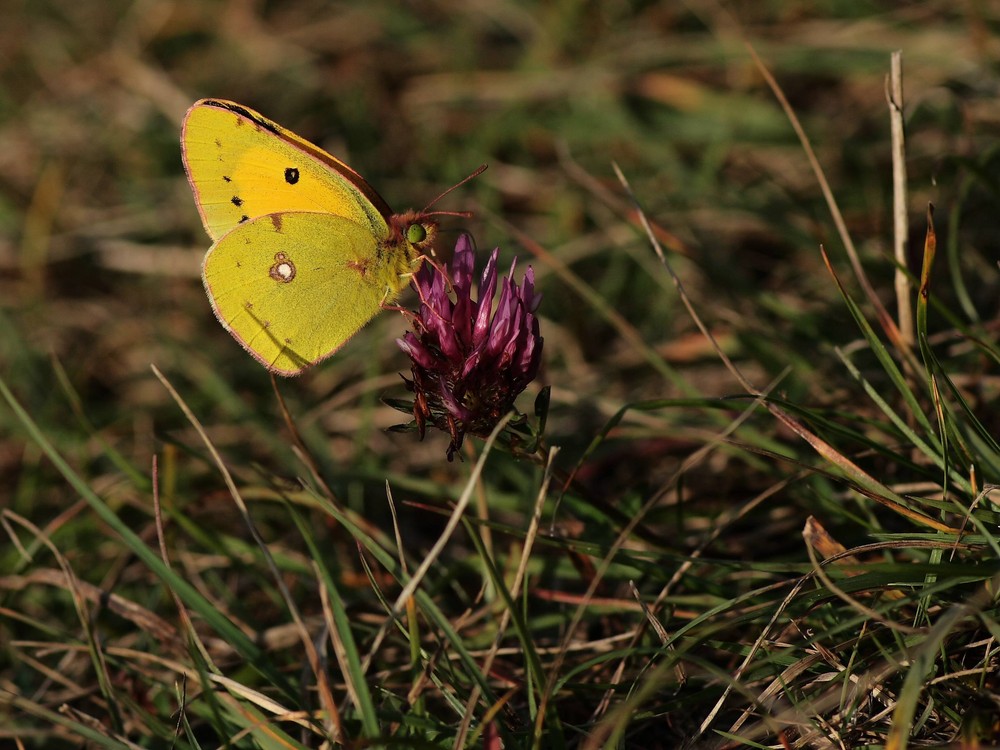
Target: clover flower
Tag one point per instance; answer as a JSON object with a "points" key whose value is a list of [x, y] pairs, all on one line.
{"points": [[468, 361]]}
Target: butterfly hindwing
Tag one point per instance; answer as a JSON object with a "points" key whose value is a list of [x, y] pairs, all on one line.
{"points": [[292, 288]]}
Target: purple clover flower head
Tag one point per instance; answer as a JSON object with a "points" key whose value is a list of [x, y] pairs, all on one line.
{"points": [[469, 360]]}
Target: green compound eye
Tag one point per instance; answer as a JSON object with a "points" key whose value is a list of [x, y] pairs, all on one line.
{"points": [[416, 233]]}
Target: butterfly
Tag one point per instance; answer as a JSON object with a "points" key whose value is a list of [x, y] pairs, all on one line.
{"points": [[305, 251]]}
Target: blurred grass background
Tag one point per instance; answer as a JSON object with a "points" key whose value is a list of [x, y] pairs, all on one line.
{"points": [[101, 245]]}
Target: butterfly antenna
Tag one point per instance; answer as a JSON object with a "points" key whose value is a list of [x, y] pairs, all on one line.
{"points": [[476, 173]]}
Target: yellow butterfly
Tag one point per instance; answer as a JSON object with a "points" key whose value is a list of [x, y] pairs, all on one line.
{"points": [[305, 252]]}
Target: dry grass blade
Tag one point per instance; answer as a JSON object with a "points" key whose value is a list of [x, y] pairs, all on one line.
{"points": [[515, 589], [453, 521]]}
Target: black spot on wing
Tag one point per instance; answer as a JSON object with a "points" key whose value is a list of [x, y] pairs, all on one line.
{"points": [[237, 201], [291, 175]]}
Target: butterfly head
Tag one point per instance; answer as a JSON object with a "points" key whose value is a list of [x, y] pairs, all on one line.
{"points": [[414, 230]]}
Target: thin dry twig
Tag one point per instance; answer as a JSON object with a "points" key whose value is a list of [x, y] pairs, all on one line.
{"points": [[888, 324], [894, 98]]}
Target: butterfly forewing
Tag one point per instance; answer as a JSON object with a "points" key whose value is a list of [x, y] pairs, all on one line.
{"points": [[242, 166]]}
